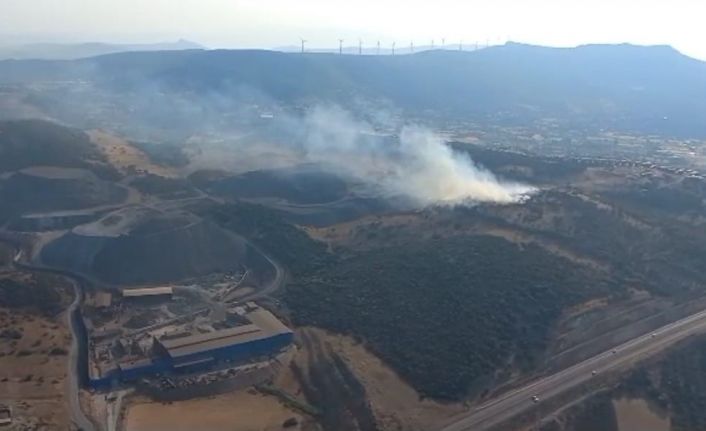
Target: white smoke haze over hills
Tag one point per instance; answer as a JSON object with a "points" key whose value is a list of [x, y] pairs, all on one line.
{"points": [[230, 132], [416, 164]]}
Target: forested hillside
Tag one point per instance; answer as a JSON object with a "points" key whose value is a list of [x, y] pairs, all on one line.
{"points": [[35, 142], [447, 314]]}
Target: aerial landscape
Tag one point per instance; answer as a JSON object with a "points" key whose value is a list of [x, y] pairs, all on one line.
{"points": [[278, 228]]}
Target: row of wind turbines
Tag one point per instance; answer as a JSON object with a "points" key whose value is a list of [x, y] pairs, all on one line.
{"points": [[461, 45]]}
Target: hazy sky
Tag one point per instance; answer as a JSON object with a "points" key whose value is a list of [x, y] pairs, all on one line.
{"points": [[270, 23]]}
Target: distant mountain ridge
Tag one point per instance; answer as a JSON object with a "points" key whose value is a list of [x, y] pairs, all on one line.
{"points": [[401, 49], [73, 51], [653, 89]]}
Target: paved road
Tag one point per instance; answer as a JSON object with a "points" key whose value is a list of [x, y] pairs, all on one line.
{"points": [[72, 375], [274, 285], [77, 415], [513, 403]]}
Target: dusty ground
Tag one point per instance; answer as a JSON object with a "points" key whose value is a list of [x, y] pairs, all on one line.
{"points": [[239, 411], [122, 155], [395, 404], [636, 415], [31, 377]]}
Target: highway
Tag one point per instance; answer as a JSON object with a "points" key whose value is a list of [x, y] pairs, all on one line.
{"points": [[509, 405]]}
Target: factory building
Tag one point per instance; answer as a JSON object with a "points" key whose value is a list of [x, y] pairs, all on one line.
{"points": [[5, 415], [237, 343], [148, 294], [185, 352], [264, 334]]}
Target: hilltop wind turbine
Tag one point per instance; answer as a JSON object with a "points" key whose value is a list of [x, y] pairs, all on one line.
{"points": [[432, 44], [411, 46], [393, 48], [303, 42], [360, 46], [340, 46], [460, 45], [443, 42], [378, 48]]}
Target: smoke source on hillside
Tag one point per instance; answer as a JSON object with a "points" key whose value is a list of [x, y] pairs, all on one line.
{"points": [[416, 164]]}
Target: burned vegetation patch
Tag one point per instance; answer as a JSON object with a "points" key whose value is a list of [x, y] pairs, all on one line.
{"points": [[163, 187], [25, 143], [299, 186], [27, 193]]}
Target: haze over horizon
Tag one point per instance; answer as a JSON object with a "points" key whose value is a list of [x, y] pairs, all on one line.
{"points": [[275, 23]]}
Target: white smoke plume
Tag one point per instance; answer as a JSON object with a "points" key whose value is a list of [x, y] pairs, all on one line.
{"points": [[417, 165], [414, 164], [226, 129], [229, 132]]}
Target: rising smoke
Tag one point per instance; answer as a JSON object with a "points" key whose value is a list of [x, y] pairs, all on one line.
{"points": [[416, 164]]}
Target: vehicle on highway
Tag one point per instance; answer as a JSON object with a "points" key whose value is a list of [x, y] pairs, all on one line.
{"points": [[535, 399]]}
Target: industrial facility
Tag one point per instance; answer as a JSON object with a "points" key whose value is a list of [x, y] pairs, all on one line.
{"points": [[156, 293], [5, 415], [249, 332], [241, 341]]}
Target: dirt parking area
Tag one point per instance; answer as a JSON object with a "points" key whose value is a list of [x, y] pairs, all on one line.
{"points": [[238, 411], [33, 370]]}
